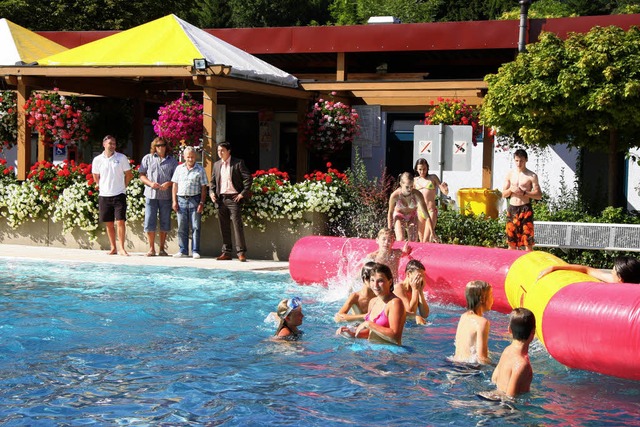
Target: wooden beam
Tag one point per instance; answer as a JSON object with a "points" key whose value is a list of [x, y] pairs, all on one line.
{"points": [[249, 86], [24, 133], [422, 102], [384, 85], [209, 114], [329, 77], [430, 93], [100, 71]]}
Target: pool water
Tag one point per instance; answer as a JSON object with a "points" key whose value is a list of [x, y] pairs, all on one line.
{"points": [[89, 344]]}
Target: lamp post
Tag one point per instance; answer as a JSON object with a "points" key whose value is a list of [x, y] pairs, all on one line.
{"points": [[522, 38]]}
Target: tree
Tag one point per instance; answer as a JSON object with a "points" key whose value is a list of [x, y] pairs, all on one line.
{"points": [[272, 13], [542, 9], [584, 91], [352, 12]]}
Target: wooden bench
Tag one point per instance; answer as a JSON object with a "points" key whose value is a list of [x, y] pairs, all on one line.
{"points": [[583, 235]]}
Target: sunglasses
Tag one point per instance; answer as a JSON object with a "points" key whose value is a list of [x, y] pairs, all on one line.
{"points": [[161, 145], [292, 304]]}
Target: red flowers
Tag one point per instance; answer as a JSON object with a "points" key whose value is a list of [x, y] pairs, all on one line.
{"points": [[454, 112], [60, 119], [180, 121], [329, 126]]}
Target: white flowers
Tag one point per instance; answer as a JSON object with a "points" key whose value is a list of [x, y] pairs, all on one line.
{"points": [[75, 208]]}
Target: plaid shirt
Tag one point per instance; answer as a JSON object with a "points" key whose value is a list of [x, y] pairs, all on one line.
{"points": [[190, 182], [158, 170]]}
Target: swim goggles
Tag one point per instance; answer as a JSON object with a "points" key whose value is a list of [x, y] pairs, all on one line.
{"points": [[292, 304]]}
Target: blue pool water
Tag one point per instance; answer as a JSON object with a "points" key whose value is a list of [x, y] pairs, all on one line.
{"points": [[85, 344]]}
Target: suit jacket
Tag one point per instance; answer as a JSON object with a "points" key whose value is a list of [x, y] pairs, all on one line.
{"points": [[240, 177]]}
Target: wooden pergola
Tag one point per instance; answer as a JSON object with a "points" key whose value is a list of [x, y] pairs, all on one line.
{"points": [[142, 84]]}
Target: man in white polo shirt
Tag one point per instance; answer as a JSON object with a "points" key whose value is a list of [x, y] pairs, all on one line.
{"points": [[112, 172]]}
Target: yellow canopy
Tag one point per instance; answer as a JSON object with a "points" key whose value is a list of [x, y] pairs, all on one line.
{"points": [[19, 44], [169, 41]]}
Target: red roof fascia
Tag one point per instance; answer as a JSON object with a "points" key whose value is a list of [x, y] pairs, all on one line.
{"points": [[468, 35]]}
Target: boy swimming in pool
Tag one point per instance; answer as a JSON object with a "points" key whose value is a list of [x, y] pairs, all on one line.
{"points": [[358, 302], [386, 254], [472, 335], [514, 374]]}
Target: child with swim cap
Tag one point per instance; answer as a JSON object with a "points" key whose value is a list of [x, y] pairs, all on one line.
{"points": [[358, 302], [514, 374], [472, 334], [290, 314]]}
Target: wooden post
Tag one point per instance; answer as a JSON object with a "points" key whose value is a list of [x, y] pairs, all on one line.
{"points": [[341, 67], [302, 161], [209, 114], [24, 132], [487, 159], [138, 130]]}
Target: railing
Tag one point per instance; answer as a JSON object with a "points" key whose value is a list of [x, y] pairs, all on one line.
{"points": [[581, 235]]}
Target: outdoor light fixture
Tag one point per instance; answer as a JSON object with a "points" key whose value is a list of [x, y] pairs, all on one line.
{"points": [[200, 64]]}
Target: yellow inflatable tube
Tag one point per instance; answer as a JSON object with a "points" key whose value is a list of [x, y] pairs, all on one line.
{"points": [[524, 289]]}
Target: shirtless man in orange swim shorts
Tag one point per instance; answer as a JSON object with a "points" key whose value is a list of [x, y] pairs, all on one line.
{"points": [[521, 185]]}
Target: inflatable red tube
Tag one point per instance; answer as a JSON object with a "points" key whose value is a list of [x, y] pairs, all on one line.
{"points": [[596, 327], [583, 324], [317, 259]]}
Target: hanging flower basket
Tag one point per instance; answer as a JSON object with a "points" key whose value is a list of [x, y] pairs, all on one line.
{"points": [[180, 122], [60, 120], [454, 112], [329, 126], [8, 119]]}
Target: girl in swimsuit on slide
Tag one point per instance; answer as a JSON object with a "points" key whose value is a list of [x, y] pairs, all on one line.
{"points": [[403, 210], [385, 320], [428, 186]]}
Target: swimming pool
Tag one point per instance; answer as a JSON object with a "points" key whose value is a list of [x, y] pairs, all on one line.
{"points": [[89, 344]]}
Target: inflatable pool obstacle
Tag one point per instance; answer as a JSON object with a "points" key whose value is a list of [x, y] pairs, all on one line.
{"points": [[582, 322]]}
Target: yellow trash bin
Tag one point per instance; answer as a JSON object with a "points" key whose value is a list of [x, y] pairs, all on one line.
{"points": [[479, 200]]}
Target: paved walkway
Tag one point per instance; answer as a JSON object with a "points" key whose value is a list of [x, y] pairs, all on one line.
{"points": [[99, 256]]}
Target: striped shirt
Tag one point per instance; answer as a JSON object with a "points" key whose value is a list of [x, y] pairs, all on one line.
{"points": [[190, 182], [158, 170]]}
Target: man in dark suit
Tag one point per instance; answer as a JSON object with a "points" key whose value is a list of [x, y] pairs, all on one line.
{"points": [[230, 185]]}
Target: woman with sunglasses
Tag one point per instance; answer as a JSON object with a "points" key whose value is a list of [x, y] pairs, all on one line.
{"points": [[290, 314], [384, 322]]}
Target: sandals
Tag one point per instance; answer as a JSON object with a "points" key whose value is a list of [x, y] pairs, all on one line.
{"points": [[152, 253], [163, 253]]}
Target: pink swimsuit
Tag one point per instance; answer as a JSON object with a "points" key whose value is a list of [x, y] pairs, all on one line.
{"points": [[381, 319]]}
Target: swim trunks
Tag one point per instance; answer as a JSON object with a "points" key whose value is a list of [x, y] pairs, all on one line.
{"points": [[520, 226]]}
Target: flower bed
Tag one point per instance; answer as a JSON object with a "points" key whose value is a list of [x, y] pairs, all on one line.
{"points": [[66, 194]]}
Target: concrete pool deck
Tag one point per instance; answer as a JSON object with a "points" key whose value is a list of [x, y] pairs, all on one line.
{"points": [[50, 253]]}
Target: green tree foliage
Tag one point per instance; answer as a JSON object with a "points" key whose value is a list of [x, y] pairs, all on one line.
{"points": [[542, 9], [352, 12], [74, 15], [270, 13], [584, 91], [472, 10]]}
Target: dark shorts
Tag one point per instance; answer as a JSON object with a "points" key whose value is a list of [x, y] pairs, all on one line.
{"points": [[112, 208], [520, 226]]}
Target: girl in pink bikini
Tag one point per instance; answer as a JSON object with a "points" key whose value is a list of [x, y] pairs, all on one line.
{"points": [[403, 210], [428, 185], [384, 322]]}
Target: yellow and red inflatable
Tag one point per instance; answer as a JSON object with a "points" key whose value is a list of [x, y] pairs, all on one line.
{"points": [[583, 323]]}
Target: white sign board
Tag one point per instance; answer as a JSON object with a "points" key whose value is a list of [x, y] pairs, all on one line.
{"points": [[457, 146]]}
